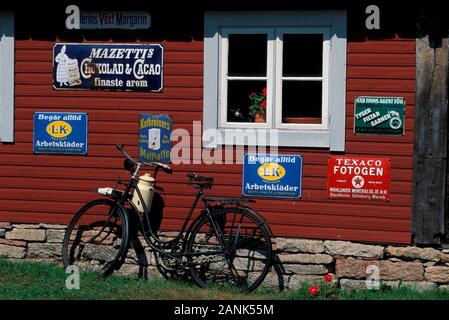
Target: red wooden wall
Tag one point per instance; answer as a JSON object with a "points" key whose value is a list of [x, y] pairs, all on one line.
{"points": [[50, 188]]}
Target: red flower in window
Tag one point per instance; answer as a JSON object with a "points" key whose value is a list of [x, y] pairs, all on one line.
{"points": [[258, 102], [313, 290], [328, 278]]}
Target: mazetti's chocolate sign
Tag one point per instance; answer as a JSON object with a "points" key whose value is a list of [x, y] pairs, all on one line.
{"points": [[130, 67]]}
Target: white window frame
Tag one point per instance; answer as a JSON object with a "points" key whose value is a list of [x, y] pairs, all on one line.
{"points": [[324, 79], [331, 133], [7, 60], [224, 77]]}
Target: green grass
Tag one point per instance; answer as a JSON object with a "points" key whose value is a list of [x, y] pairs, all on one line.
{"points": [[25, 280], [384, 293]]}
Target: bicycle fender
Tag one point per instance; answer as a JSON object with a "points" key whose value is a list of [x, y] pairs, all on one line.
{"points": [[126, 238]]}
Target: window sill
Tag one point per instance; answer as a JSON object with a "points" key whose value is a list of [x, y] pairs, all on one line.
{"points": [[302, 120], [263, 137]]}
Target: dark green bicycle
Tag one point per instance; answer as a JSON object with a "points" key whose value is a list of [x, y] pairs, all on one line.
{"points": [[227, 244]]}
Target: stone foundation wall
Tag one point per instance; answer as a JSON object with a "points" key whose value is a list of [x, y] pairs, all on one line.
{"points": [[297, 261], [306, 261]]}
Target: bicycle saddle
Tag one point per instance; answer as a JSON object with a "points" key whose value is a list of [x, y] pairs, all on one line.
{"points": [[198, 181]]}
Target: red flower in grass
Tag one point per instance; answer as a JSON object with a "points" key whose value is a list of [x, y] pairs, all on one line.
{"points": [[313, 290], [264, 91], [263, 104], [328, 278]]}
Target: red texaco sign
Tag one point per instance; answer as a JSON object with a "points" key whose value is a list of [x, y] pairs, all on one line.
{"points": [[359, 178]]}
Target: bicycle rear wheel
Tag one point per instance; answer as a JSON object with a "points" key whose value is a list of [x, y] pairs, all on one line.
{"points": [[97, 238], [232, 248]]}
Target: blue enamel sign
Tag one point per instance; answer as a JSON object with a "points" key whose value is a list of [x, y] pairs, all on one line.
{"points": [[272, 176], [60, 132], [154, 137], [122, 67]]}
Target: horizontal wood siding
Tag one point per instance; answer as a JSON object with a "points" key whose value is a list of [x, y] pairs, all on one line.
{"points": [[50, 188], [385, 68]]}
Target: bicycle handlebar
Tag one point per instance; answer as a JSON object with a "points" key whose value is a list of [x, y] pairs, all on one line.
{"points": [[121, 148], [166, 168]]}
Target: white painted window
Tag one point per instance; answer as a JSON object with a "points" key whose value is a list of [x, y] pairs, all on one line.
{"points": [[6, 77], [297, 58]]}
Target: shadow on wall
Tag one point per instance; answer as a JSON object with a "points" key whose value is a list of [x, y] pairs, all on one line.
{"points": [[280, 276], [6, 27], [169, 270], [397, 19], [31, 25]]}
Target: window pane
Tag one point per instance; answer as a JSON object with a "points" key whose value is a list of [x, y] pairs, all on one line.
{"points": [[303, 55], [301, 101], [239, 101], [247, 55]]}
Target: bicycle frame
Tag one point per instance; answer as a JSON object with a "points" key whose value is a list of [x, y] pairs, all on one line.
{"points": [[185, 229]]}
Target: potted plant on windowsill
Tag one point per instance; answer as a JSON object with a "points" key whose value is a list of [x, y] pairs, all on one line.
{"points": [[258, 106]]}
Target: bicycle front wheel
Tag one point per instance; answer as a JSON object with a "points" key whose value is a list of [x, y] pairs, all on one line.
{"points": [[97, 238], [230, 248]]}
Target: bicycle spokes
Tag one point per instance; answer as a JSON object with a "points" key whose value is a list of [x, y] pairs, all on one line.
{"points": [[238, 254], [94, 238]]}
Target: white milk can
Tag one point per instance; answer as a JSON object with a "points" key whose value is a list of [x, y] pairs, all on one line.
{"points": [[146, 187]]}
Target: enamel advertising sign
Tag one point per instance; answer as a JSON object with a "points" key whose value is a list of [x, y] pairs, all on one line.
{"points": [[379, 116], [154, 137], [272, 175], [129, 20], [60, 133], [121, 67], [359, 178]]}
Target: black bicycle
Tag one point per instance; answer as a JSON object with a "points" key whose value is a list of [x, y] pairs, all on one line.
{"points": [[227, 244]]}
